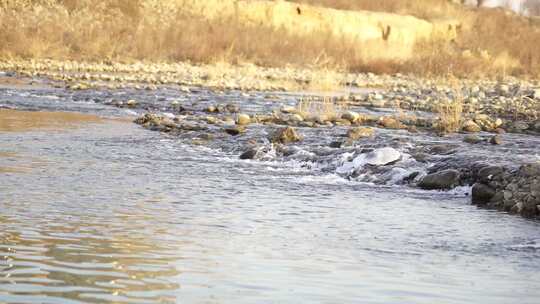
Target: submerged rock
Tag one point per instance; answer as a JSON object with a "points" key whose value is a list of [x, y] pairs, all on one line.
{"points": [[390, 123], [360, 132], [295, 118], [445, 179], [472, 139], [243, 119], [235, 130], [249, 153], [286, 135], [495, 140], [518, 126], [232, 108]]}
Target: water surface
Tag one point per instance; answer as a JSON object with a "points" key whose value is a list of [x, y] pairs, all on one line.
{"points": [[109, 212]]}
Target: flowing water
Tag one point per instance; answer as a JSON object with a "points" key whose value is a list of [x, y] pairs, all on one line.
{"points": [[97, 209]]}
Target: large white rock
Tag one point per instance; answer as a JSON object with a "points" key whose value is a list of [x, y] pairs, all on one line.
{"points": [[380, 157], [536, 94], [377, 157]]}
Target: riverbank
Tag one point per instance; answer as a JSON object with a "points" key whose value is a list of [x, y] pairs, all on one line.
{"points": [[344, 124], [512, 99], [435, 38]]}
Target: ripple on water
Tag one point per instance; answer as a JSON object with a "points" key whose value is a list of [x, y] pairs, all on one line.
{"points": [[120, 214]]}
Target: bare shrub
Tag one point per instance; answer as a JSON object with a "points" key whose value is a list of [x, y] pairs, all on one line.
{"points": [[450, 111]]}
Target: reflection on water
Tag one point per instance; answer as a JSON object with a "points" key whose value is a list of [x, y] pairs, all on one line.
{"points": [[77, 261], [18, 121], [19, 83], [11, 162]]}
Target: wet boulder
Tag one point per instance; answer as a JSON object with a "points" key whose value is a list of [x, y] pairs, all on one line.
{"points": [[295, 118], [471, 126], [288, 110], [382, 156], [235, 130], [482, 194], [351, 116], [132, 103], [376, 158], [249, 153], [530, 170], [518, 127], [212, 109], [286, 135], [232, 108], [206, 136], [341, 122], [443, 180], [336, 144], [472, 139], [536, 94], [211, 120], [360, 132], [536, 126], [485, 122], [496, 140], [243, 119], [488, 173], [146, 118], [390, 123], [442, 149]]}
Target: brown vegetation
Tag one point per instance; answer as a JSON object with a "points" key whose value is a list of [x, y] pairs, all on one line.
{"points": [[492, 42], [123, 30], [450, 115], [326, 109], [425, 9]]}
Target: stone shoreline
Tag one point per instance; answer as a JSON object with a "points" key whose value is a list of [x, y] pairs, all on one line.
{"points": [[515, 190], [490, 109], [495, 187]]}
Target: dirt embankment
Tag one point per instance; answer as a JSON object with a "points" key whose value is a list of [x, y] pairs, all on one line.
{"points": [[378, 35]]}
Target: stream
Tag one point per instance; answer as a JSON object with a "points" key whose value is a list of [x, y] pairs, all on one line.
{"points": [[95, 209]]}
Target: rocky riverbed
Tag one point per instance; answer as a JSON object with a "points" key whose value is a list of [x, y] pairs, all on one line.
{"points": [[376, 129]]}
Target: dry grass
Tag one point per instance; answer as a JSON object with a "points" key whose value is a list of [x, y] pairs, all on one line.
{"points": [[449, 116], [497, 44], [425, 9], [326, 109], [450, 111], [325, 80], [124, 30], [492, 44]]}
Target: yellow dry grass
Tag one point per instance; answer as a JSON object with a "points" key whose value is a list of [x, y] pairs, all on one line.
{"points": [[492, 42], [326, 109], [450, 111], [426, 9], [325, 80]]}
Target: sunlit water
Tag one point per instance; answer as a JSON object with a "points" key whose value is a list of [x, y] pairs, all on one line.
{"points": [[110, 212]]}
